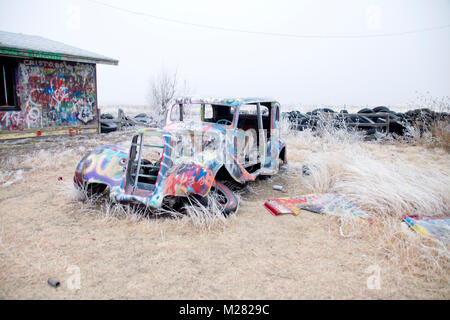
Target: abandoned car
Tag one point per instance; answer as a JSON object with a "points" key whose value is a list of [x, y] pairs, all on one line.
{"points": [[204, 144]]}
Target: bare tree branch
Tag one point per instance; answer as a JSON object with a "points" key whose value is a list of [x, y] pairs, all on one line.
{"points": [[164, 87]]}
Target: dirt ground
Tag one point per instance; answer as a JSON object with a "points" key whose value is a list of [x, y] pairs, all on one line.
{"points": [[44, 232]]}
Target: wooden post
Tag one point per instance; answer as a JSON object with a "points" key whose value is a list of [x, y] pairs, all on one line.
{"points": [[120, 118], [99, 125], [388, 119]]}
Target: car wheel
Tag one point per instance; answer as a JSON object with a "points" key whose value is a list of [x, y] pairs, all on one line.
{"points": [[225, 197], [96, 190]]}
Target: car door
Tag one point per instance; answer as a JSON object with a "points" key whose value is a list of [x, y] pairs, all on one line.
{"points": [[273, 143]]}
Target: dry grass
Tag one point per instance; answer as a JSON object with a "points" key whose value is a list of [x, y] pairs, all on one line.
{"points": [[387, 180], [441, 133], [122, 252]]}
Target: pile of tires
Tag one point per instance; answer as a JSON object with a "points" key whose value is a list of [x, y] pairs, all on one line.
{"points": [[398, 121], [145, 119], [107, 126], [106, 116]]}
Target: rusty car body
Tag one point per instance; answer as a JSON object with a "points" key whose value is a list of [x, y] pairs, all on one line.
{"points": [[204, 143]]}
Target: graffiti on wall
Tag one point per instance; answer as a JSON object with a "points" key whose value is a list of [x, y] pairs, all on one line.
{"points": [[52, 94]]}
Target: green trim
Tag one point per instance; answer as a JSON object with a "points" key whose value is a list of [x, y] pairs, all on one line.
{"points": [[147, 145], [25, 53], [149, 131], [144, 175], [30, 53], [153, 146]]}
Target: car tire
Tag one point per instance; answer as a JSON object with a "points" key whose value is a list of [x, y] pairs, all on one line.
{"points": [[226, 198], [106, 116], [366, 110], [230, 202], [381, 109], [107, 127]]}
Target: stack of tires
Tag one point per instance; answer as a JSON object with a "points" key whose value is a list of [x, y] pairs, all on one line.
{"points": [[397, 120], [106, 125]]}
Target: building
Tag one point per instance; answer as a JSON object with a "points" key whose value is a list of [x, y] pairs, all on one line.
{"points": [[47, 87]]}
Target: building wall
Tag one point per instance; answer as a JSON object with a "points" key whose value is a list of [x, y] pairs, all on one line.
{"points": [[52, 94]]}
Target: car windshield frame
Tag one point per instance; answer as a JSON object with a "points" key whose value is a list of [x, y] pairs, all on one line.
{"points": [[179, 108]]}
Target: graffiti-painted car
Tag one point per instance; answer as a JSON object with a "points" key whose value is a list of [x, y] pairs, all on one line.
{"points": [[204, 144]]}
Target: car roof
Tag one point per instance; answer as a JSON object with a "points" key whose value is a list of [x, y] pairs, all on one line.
{"points": [[229, 102]]}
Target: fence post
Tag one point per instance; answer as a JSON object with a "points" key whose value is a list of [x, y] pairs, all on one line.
{"points": [[120, 119], [388, 119], [99, 125]]}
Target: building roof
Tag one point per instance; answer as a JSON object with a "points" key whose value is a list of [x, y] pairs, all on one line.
{"points": [[28, 46]]}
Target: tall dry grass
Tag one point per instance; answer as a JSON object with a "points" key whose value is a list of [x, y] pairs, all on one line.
{"points": [[387, 178], [441, 133]]}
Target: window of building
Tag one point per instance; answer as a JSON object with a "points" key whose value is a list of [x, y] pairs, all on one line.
{"points": [[8, 97]]}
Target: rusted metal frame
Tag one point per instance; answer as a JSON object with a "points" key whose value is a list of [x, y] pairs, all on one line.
{"points": [[370, 115], [367, 124], [139, 163], [261, 139], [120, 119]]}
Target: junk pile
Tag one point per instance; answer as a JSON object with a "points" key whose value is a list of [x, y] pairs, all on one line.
{"points": [[337, 205], [379, 119], [146, 119], [110, 124], [438, 228], [322, 203]]}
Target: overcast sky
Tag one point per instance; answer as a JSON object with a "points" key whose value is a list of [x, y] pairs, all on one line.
{"points": [[320, 71]]}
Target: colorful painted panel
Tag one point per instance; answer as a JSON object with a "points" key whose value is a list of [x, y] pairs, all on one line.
{"points": [[105, 164], [434, 227], [52, 94], [328, 203]]}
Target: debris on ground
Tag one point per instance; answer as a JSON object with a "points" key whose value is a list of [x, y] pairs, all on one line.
{"points": [[278, 188], [436, 227], [53, 282], [110, 124], [305, 170], [146, 119], [322, 203]]}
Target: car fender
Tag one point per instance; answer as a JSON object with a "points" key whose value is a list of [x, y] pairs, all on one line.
{"points": [[105, 164], [197, 178]]}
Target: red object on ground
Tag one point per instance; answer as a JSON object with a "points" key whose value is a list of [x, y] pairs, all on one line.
{"points": [[271, 209], [60, 178], [39, 133]]}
